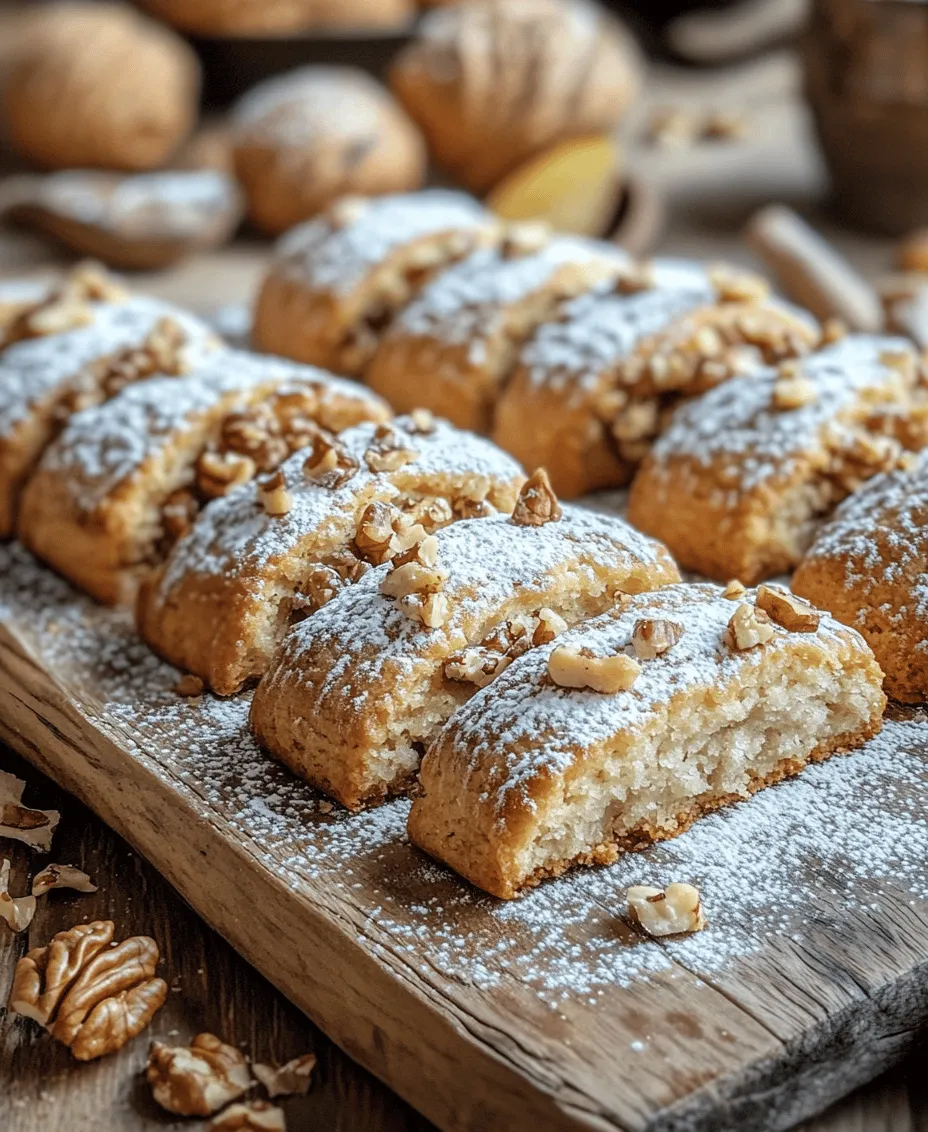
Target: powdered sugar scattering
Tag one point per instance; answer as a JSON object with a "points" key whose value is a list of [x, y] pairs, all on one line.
{"points": [[338, 259], [849, 829]]}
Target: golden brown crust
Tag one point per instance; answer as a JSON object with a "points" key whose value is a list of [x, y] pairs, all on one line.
{"points": [[99, 85], [867, 568], [336, 281], [315, 134], [741, 479], [530, 778]]}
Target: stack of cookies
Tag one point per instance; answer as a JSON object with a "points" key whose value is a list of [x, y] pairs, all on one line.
{"points": [[419, 615]]}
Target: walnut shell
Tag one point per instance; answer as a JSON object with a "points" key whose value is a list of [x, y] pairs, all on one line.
{"points": [[494, 82], [98, 85]]}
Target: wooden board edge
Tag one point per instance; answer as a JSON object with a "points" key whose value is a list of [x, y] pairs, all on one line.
{"points": [[438, 1065]]}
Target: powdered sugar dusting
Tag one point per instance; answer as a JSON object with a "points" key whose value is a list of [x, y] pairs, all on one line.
{"points": [[764, 867], [37, 368], [736, 423], [103, 445], [468, 302], [327, 258]]}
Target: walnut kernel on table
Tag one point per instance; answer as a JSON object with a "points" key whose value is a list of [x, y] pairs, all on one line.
{"points": [[251, 1116], [197, 1080], [92, 994], [34, 828]]}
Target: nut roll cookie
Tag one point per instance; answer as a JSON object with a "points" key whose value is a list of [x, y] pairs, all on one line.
{"points": [[628, 728], [869, 567], [453, 349], [594, 385], [739, 482], [75, 347], [357, 691], [125, 479], [275, 550], [337, 280]]}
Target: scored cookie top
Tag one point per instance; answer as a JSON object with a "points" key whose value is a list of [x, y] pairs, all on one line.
{"points": [[754, 429], [102, 446], [235, 534], [467, 303], [488, 563], [35, 368], [881, 535], [524, 726], [335, 252]]}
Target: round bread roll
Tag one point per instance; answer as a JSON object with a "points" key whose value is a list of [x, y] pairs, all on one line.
{"points": [[97, 84], [315, 134], [493, 82]]}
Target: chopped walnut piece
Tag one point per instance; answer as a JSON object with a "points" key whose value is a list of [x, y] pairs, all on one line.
{"points": [[432, 514], [34, 828], [537, 504], [329, 462], [635, 278], [387, 451], [550, 625], [219, 472], [674, 910], [292, 1079], [61, 876], [423, 551], [637, 421], [159, 352], [525, 238], [422, 422], [189, 686], [92, 995], [572, 667], [735, 590], [433, 610], [735, 286], [197, 1080], [374, 539], [833, 330], [476, 665], [54, 314], [91, 281], [16, 910], [748, 628], [651, 638], [789, 612], [252, 1116], [413, 577], [317, 589], [274, 496], [794, 393]]}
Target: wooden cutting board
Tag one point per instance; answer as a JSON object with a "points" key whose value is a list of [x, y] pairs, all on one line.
{"points": [[548, 1012]]}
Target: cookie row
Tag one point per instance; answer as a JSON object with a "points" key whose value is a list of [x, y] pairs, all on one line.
{"points": [[741, 422], [570, 698], [436, 305]]}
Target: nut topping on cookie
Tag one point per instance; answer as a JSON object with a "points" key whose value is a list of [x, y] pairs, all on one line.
{"points": [[733, 286], [387, 452], [219, 472], [634, 279], [652, 638], [550, 625], [275, 499], [793, 392], [416, 580], [476, 665], [675, 910], [748, 628], [537, 504], [789, 612], [572, 667], [329, 463], [423, 422], [735, 590]]}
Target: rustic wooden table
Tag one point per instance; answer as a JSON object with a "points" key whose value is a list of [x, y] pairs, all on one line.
{"points": [[711, 190]]}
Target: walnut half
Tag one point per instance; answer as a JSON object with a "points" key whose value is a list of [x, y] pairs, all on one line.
{"points": [[572, 667], [93, 995], [537, 504]]}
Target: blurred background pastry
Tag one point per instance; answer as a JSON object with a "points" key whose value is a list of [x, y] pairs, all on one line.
{"points": [[247, 17], [492, 83], [303, 139], [98, 84]]}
